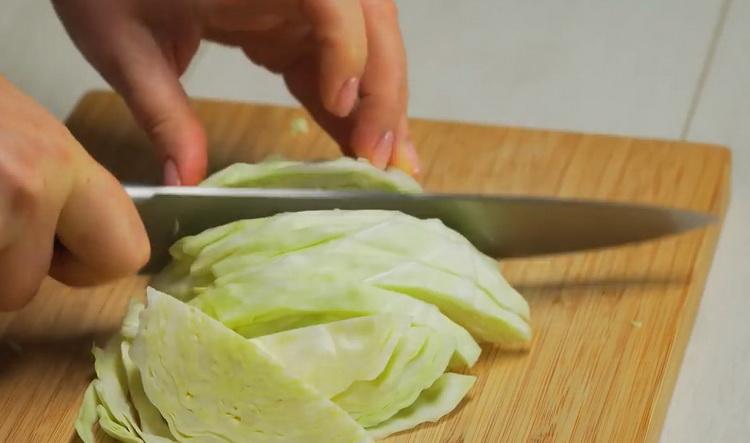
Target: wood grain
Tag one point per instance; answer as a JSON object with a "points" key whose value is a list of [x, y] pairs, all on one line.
{"points": [[610, 326]]}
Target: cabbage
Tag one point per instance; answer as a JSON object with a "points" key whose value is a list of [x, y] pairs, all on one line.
{"points": [[389, 250], [116, 397], [118, 419], [211, 384], [419, 359], [434, 402], [372, 367], [151, 421], [339, 353], [87, 415], [271, 303], [342, 173], [304, 327]]}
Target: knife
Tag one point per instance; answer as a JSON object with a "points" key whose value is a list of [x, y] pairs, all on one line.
{"points": [[498, 225]]}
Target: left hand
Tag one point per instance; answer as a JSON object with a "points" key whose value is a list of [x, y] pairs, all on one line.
{"points": [[343, 59]]}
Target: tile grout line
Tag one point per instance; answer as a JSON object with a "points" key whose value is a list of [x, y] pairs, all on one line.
{"points": [[707, 65]]}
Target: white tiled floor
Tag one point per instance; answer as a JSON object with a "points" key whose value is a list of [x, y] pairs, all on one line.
{"points": [[611, 66]]}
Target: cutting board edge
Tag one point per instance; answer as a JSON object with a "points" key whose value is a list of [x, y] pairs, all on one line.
{"points": [[704, 262]]}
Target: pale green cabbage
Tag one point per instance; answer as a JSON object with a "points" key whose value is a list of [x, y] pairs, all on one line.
{"points": [[341, 173], [419, 359], [372, 367], [338, 353], [388, 250], [434, 402], [211, 384], [87, 415], [321, 326]]}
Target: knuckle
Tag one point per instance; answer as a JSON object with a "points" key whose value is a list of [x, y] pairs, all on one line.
{"points": [[28, 162], [23, 185], [332, 39]]}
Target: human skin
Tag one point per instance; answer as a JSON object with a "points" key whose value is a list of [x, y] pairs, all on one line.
{"points": [[63, 214], [343, 59]]}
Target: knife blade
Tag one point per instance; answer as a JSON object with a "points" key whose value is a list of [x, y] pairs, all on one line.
{"points": [[501, 226]]}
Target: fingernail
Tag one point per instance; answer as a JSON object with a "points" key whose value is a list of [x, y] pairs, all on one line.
{"points": [[382, 152], [411, 155], [407, 159], [347, 97], [171, 176]]}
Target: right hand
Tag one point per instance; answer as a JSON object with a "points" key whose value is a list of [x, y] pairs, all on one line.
{"points": [[60, 211]]}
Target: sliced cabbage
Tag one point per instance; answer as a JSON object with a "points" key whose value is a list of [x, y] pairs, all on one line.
{"points": [[153, 426], [373, 366], [332, 356], [113, 428], [111, 390], [457, 296], [123, 411], [341, 173], [419, 359], [248, 242], [210, 384], [271, 302], [419, 258], [433, 403], [87, 415], [333, 326], [130, 322], [362, 384]]}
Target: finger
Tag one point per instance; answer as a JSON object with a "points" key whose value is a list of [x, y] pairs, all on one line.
{"points": [[35, 163], [25, 257], [383, 95], [144, 68], [404, 154], [100, 229], [153, 92], [24, 263], [276, 50], [301, 80], [247, 15], [338, 28]]}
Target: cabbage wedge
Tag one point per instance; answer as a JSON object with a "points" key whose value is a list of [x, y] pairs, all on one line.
{"points": [[211, 384], [316, 326]]}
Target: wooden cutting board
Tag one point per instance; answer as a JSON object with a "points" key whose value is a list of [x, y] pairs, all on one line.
{"points": [[610, 326]]}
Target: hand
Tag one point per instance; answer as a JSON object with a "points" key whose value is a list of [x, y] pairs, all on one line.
{"points": [[60, 211], [343, 59]]}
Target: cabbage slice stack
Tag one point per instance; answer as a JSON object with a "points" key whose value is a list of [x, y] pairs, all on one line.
{"points": [[317, 326], [179, 375]]}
